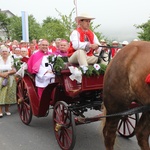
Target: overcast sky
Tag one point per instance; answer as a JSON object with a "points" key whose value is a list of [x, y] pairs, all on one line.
{"points": [[117, 17]]}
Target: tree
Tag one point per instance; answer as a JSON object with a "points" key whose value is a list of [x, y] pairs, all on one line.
{"points": [[53, 28], [145, 33], [16, 28], [70, 24], [35, 29], [67, 21], [4, 24]]}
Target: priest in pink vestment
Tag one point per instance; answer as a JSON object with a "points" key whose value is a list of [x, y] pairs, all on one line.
{"points": [[36, 65]]}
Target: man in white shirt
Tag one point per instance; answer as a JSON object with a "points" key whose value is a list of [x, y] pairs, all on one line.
{"points": [[83, 42]]}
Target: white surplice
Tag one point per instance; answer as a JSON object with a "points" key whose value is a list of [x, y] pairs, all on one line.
{"points": [[42, 78]]}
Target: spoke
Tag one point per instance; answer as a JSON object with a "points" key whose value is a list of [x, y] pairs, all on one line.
{"points": [[120, 124], [65, 135], [128, 128], [24, 107], [129, 122], [124, 127]]}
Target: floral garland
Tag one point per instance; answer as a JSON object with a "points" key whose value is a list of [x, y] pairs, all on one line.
{"points": [[17, 63], [95, 69], [59, 64]]}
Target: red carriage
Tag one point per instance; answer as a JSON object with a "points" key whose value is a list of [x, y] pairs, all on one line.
{"points": [[69, 100]]}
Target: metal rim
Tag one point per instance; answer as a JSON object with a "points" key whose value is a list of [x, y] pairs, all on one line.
{"points": [[64, 126], [126, 126], [23, 102]]}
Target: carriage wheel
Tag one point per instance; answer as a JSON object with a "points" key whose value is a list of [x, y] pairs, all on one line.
{"points": [[64, 126], [127, 125], [23, 102]]}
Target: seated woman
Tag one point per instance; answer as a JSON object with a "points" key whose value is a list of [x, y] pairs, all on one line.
{"points": [[36, 65]]}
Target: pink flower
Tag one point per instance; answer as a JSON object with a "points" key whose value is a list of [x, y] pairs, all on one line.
{"points": [[97, 66]]}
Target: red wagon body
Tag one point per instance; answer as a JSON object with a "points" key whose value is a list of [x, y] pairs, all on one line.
{"points": [[69, 100]]}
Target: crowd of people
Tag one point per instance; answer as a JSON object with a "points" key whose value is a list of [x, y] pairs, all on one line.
{"points": [[79, 50]]}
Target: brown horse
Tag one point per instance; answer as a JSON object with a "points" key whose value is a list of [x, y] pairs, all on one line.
{"points": [[124, 82]]}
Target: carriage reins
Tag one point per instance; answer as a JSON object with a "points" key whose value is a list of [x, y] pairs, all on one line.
{"points": [[132, 111], [101, 55]]}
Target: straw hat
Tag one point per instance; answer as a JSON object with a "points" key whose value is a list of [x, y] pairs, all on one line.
{"points": [[103, 41], [125, 43], [115, 42], [83, 16]]}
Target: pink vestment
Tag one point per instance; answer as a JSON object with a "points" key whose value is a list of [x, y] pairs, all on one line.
{"points": [[34, 65], [35, 61], [58, 52]]}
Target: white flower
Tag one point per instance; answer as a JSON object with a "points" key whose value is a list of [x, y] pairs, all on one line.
{"points": [[17, 62], [53, 58], [76, 74], [84, 68], [97, 66]]}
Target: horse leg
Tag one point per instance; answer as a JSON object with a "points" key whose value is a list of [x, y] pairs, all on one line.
{"points": [[109, 132], [143, 131]]}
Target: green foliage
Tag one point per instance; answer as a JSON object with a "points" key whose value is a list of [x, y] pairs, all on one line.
{"points": [[52, 29], [70, 24], [96, 69], [17, 63], [35, 29], [59, 64], [4, 24], [67, 21], [145, 33], [16, 28]]}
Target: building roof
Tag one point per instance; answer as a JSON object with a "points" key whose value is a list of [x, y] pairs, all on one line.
{"points": [[9, 13]]}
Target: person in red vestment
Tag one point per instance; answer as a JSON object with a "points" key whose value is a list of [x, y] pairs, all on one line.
{"points": [[82, 42]]}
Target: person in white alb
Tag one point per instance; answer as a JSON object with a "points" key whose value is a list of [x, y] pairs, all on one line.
{"points": [[37, 65]]}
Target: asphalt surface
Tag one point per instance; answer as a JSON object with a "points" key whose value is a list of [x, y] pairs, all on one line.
{"points": [[39, 135]]}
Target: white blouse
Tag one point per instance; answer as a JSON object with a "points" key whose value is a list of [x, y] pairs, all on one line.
{"points": [[6, 65]]}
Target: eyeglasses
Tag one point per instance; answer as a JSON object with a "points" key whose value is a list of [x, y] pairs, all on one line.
{"points": [[44, 45], [86, 20]]}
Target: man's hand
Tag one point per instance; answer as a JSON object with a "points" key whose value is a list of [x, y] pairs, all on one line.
{"points": [[94, 46]]}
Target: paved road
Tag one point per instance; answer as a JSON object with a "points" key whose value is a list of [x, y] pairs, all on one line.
{"points": [[39, 135]]}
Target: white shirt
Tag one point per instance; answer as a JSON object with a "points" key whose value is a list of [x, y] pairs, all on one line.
{"points": [[75, 39]]}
